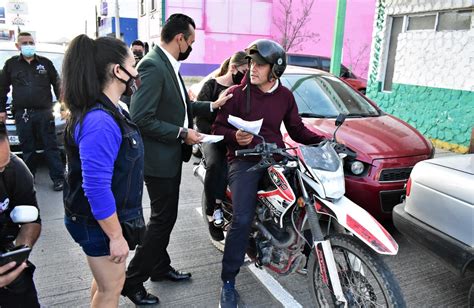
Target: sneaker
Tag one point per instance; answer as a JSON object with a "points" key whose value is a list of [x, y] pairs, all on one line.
{"points": [[58, 185], [218, 217], [229, 297], [216, 233]]}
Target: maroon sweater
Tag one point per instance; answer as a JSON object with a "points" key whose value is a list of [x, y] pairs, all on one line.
{"points": [[275, 108]]}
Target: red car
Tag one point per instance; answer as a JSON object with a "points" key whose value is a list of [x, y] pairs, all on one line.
{"points": [[324, 63], [387, 147]]}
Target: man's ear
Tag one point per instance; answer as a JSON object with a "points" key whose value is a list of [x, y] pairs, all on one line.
{"points": [[18, 46]]}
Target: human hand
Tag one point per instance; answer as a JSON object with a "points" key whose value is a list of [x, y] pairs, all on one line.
{"points": [[3, 116], [223, 97], [6, 279], [243, 138], [193, 137], [118, 250]]}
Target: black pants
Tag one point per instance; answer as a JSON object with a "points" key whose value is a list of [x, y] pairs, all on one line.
{"points": [[244, 186], [151, 258], [215, 181], [21, 293], [39, 128]]}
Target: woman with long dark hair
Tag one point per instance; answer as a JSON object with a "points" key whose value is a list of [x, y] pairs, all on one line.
{"points": [[104, 180], [230, 73]]}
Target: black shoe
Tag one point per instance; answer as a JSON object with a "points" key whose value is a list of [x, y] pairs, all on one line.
{"points": [[142, 297], [172, 275], [216, 232], [58, 185], [229, 298]]}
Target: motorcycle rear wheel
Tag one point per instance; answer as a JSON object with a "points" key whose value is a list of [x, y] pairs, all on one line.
{"points": [[365, 278]]}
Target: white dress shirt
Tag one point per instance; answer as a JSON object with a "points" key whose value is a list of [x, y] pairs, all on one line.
{"points": [[176, 65]]}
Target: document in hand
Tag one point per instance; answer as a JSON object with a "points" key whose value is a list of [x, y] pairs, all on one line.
{"points": [[211, 138], [248, 126]]}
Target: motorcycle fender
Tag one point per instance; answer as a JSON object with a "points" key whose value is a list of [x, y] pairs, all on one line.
{"points": [[359, 223]]}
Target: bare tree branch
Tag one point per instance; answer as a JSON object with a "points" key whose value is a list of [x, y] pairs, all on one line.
{"points": [[292, 24]]}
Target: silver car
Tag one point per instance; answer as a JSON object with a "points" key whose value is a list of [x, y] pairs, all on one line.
{"points": [[438, 212]]}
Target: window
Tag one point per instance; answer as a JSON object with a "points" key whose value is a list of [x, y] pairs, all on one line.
{"points": [[397, 26], [458, 20], [426, 22]]}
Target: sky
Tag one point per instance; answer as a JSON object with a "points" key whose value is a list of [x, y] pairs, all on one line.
{"points": [[56, 19]]}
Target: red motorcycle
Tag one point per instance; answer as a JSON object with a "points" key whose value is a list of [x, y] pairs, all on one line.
{"points": [[301, 203]]}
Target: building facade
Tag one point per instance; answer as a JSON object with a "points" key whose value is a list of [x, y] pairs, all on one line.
{"points": [[128, 12], [422, 67], [226, 26]]}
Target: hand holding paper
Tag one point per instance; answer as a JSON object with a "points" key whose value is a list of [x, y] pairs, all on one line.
{"points": [[247, 126]]}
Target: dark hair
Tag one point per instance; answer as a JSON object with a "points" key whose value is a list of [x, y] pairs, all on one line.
{"points": [[176, 24], [3, 132], [237, 58], [23, 34], [86, 71], [138, 43]]}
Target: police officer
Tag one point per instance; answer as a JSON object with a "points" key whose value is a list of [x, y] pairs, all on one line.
{"points": [[31, 77], [17, 288]]}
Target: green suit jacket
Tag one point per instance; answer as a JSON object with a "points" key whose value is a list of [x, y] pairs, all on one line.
{"points": [[158, 109]]}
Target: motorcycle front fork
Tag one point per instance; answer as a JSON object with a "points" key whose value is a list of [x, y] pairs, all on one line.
{"points": [[325, 257]]}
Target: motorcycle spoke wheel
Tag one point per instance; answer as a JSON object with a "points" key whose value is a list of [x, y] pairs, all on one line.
{"points": [[365, 278]]}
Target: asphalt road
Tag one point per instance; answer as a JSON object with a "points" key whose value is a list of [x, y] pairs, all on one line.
{"points": [[63, 278]]}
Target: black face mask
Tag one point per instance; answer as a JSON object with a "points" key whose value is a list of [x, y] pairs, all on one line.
{"points": [[132, 84], [237, 77], [184, 55], [138, 55]]}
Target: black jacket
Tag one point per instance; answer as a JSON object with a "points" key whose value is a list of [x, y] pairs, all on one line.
{"points": [[31, 83], [16, 188]]}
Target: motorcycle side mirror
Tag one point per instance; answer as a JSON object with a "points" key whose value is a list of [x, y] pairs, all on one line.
{"points": [[340, 119], [24, 214]]}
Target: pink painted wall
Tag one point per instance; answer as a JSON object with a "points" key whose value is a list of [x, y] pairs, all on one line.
{"points": [[225, 26], [357, 32]]}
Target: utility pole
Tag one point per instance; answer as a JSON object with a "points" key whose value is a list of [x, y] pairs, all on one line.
{"points": [[117, 20], [338, 38]]}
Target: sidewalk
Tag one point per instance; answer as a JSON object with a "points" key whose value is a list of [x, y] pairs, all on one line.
{"points": [[442, 153]]}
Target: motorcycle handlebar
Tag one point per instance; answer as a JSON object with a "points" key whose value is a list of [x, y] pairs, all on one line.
{"points": [[245, 152]]}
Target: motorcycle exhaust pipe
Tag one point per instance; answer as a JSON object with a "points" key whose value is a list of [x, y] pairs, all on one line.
{"points": [[276, 242], [200, 172]]}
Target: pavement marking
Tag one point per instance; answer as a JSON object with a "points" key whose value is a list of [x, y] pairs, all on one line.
{"points": [[270, 283]]}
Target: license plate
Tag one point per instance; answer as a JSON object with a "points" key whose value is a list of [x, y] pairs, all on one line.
{"points": [[14, 140]]}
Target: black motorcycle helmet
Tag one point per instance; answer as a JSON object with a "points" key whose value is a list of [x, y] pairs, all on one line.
{"points": [[268, 51]]}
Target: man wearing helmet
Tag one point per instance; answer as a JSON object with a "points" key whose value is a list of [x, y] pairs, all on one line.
{"points": [[262, 97]]}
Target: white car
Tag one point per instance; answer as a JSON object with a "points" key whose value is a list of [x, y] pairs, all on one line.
{"points": [[438, 212]]}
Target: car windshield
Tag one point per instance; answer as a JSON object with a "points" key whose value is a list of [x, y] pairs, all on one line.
{"points": [[55, 57], [325, 96]]}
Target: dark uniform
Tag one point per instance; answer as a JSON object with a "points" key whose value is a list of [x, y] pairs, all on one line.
{"points": [[16, 188], [32, 108]]}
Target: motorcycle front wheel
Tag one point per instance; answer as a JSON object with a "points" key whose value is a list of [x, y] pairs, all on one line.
{"points": [[365, 278]]}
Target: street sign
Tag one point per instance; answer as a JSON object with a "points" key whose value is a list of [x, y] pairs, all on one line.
{"points": [[18, 21], [17, 7]]}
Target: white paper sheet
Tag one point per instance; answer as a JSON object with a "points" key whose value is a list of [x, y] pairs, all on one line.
{"points": [[248, 126], [211, 138]]}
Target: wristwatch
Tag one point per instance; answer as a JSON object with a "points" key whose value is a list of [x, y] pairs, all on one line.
{"points": [[183, 133]]}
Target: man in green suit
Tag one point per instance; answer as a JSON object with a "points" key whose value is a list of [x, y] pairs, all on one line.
{"points": [[162, 110]]}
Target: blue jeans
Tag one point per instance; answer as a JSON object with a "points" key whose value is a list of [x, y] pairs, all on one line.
{"points": [[91, 237], [244, 186]]}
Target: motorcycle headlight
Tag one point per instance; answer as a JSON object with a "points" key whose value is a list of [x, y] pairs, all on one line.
{"points": [[357, 167]]}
